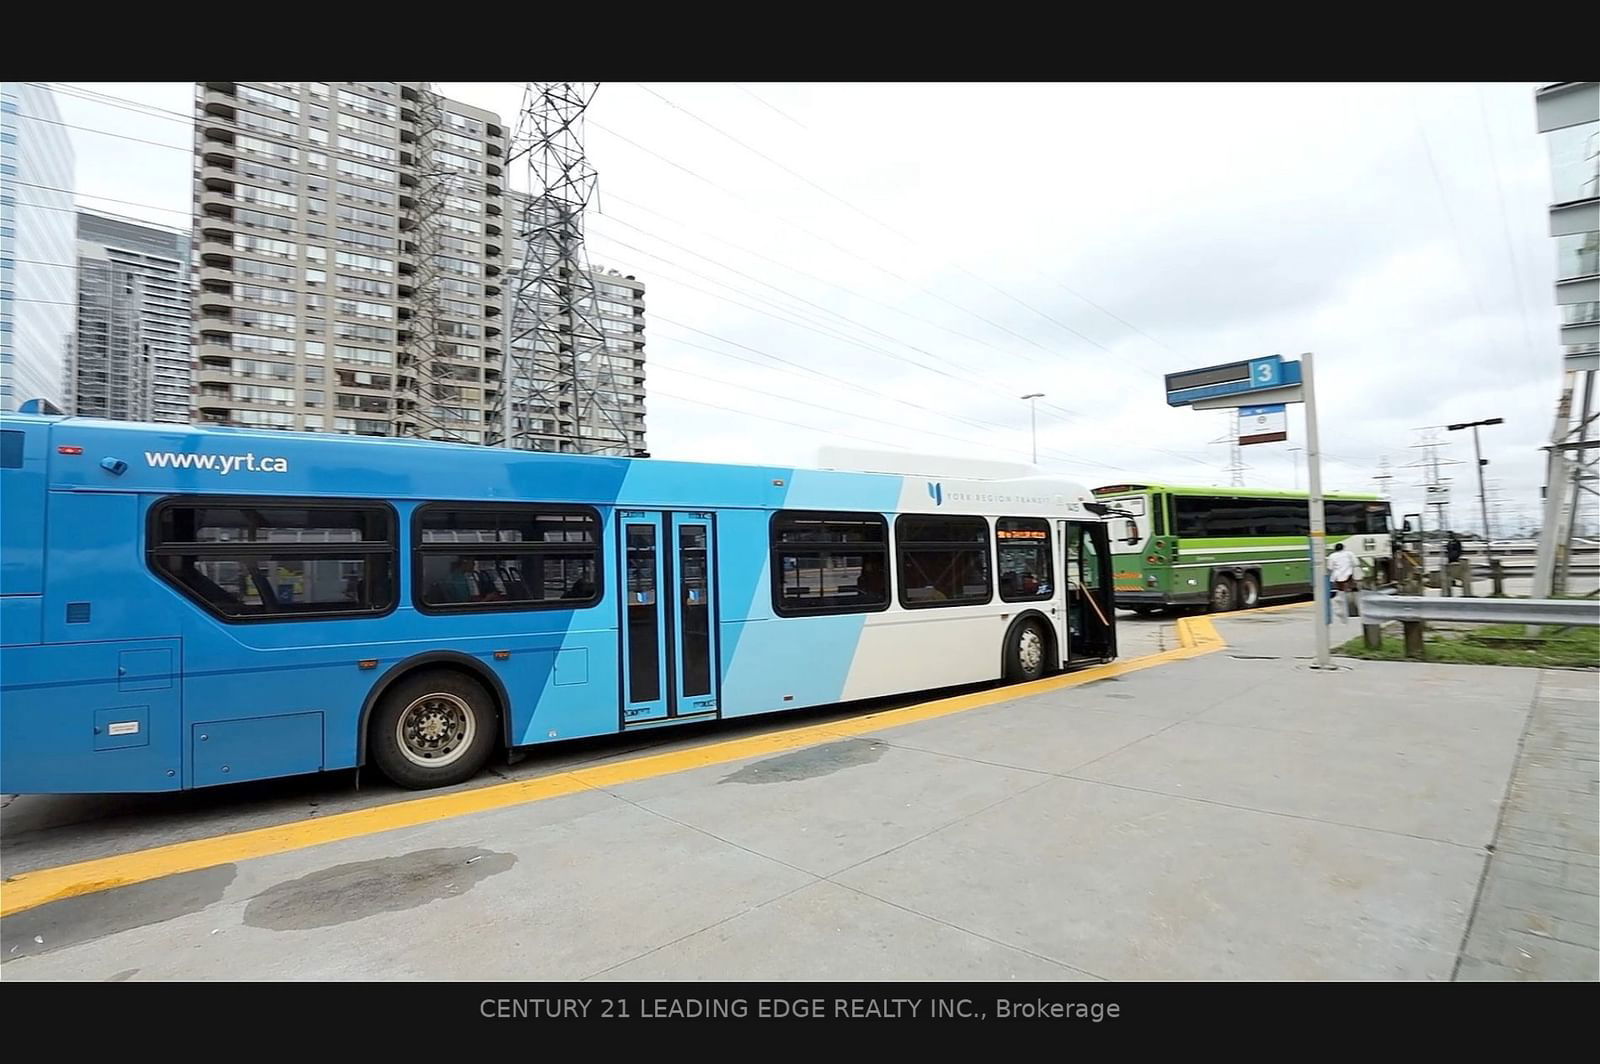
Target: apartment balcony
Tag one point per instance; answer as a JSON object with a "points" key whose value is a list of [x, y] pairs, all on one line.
{"points": [[219, 104], [494, 131], [491, 228], [224, 374], [219, 127], [210, 275], [219, 155], [492, 169], [493, 149], [217, 178], [491, 310], [492, 209], [491, 249], [215, 304], [491, 289], [217, 254], [216, 231], [491, 270], [218, 205], [492, 186], [222, 88]]}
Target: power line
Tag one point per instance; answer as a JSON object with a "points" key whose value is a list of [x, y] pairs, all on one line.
{"points": [[186, 149], [1505, 222], [1455, 231], [765, 103], [149, 110], [818, 406], [850, 385], [891, 229], [823, 281], [818, 237], [856, 386], [90, 195], [833, 335]]}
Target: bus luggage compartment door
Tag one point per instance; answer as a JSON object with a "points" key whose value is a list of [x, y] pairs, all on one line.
{"points": [[92, 718]]}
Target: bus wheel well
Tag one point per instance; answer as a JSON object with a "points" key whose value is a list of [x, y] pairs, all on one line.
{"points": [[446, 660], [1052, 650]]}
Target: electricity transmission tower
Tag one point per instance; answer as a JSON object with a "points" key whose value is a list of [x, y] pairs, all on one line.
{"points": [[558, 391], [1236, 467]]}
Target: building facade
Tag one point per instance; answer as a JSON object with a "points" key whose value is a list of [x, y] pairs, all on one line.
{"points": [[1569, 115], [129, 359], [544, 415], [38, 291], [327, 216]]}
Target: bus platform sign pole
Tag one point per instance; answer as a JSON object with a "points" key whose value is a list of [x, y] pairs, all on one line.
{"points": [[1319, 526], [1263, 383]]}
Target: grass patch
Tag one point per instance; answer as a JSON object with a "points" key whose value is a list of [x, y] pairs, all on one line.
{"points": [[1489, 644]]}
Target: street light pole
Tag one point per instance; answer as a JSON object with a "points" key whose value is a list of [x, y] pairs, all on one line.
{"points": [[1483, 498], [1295, 453], [1033, 421]]}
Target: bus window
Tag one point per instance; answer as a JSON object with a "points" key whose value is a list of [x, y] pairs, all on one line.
{"points": [[829, 563], [260, 561], [944, 561], [505, 557], [1022, 550], [1158, 515]]}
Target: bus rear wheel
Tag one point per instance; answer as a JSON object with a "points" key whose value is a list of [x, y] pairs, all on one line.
{"points": [[1224, 594], [433, 729], [1249, 592], [1025, 652]]}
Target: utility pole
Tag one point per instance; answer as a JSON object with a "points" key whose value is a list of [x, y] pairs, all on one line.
{"points": [[1483, 498], [1295, 454], [1033, 420]]}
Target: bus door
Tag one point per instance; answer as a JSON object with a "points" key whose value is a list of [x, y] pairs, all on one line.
{"points": [[669, 624], [1086, 583]]}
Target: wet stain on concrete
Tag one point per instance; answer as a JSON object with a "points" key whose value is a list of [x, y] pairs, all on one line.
{"points": [[1115, 695], [809, 763], [122, 977], [352, 891], [71, 921]]}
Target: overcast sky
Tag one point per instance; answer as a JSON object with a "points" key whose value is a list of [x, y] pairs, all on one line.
{"points": [[893, 265]]}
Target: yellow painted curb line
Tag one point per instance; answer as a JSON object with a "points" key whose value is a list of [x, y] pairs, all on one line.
{"points": [[28, 890]]}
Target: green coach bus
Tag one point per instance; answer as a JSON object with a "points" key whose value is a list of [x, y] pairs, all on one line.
{"points": [[1233, 548]]}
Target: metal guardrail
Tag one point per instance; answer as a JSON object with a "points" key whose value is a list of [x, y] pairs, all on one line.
{"points": [[1563, 612], [1411, 611]]}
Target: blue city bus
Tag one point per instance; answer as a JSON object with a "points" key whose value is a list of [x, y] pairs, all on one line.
{"points": [[184, 607]]}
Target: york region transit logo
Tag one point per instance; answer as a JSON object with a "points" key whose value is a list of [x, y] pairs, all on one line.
{"points": [[936, 492]]}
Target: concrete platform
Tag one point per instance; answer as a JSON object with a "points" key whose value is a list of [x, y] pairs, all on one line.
{"points": [[1230, 815]]}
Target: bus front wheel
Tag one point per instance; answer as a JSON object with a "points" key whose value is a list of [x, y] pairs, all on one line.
{"points": [[1224, 595], [1025, 652], [433, 729]]}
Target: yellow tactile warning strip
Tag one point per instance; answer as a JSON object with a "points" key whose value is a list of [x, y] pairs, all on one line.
{"points": [[28, 890]]}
